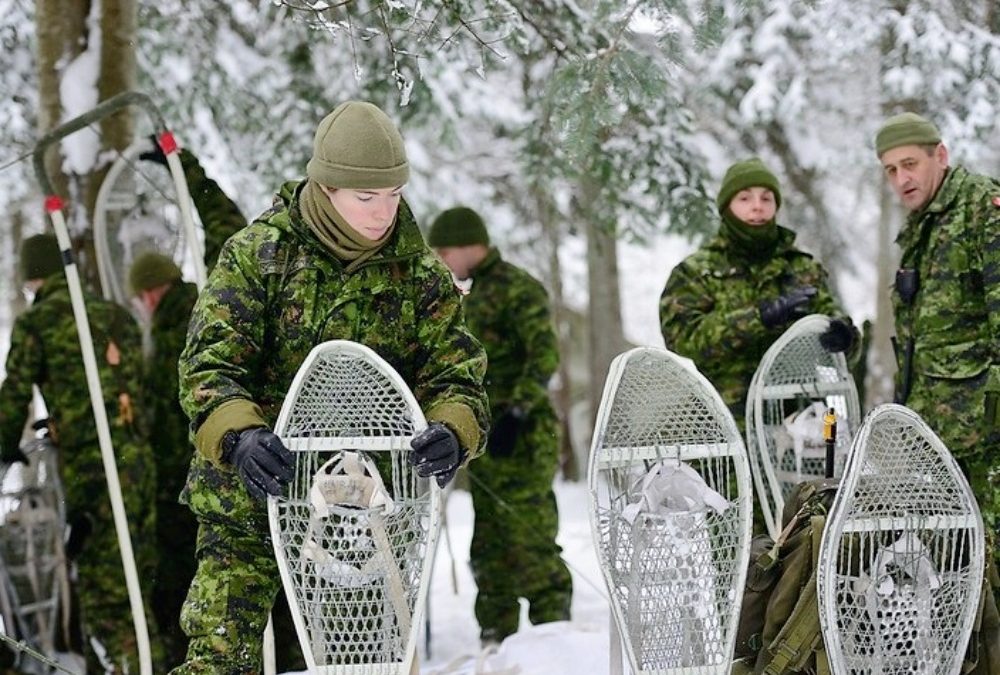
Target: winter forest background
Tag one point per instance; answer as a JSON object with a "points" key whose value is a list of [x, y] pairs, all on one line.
{"points": [[591, 134]]}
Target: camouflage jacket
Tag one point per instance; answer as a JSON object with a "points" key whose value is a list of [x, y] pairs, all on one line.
{"points": [[953, 320], [508, 310], [168, 331], [219, 215], [276, 292], [709, 309], [45, 350]]}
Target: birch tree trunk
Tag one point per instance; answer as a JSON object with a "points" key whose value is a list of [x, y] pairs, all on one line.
{"points": [[63, 34]]}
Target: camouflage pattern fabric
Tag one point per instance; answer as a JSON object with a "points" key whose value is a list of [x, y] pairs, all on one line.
{"points": [[953, 325], [514, 552], [45, 350], [177, 528], [709, 309], [274, 294], [219, 214]]}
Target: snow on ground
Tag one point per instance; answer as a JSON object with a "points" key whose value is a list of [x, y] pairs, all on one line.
{"points": [[570, 648]]}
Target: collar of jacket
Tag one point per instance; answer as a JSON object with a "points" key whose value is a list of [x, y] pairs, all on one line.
{"points": [[487, 263], [405, 241], [53, 284], [175, 305], [947, 193], [785, 243]]}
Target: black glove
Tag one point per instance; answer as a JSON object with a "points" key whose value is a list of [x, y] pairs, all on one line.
{"points": [[156, 154], [436, 452], [786, 308], [503, 436], [17, 455], [264, 463], [838, 337]]}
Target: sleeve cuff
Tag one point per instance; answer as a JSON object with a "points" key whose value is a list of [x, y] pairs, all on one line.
{"points": [[235, 414], [460, 419]]}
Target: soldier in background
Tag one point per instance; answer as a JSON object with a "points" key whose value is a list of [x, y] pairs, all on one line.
{"points": [[45, 350], [725, 304], [156, 281], [514, 553], [947, 299]]}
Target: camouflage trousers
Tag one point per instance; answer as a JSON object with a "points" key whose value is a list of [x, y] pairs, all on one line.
{"points": [[224, 615], [105, 613], [176, 532], [954, 410], [514, 553]]}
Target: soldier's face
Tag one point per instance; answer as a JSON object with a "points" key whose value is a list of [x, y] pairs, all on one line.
{"points": [[915, 173], [754, 206], [370, 213]]}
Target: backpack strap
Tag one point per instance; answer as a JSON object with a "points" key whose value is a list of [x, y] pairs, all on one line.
{"points": [[800, 637]]}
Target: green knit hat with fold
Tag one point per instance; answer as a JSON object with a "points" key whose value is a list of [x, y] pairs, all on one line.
{"points": [[459, 226], [40, 257], [905, 129], [152, 269], [357, 147], [747, 174]]}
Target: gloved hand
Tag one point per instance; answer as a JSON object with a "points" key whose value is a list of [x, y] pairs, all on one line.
{"points": [[838, 337], [503, 436], [15, 456], [154, 155], [786, 308], [436, 452], [262, 460]]}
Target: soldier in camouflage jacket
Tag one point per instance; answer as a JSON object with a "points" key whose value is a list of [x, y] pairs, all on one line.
{"points": [[45, 350], [947, 299], [156, 281], [338, 256], [514, 553], [725, 304]]}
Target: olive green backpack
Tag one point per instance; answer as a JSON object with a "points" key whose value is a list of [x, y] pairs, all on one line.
{"points": [[779, 630]]}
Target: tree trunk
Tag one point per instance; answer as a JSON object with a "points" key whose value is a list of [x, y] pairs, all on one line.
{"points": [[882, 360], [63, 34], [605, 336], [563, 396]]}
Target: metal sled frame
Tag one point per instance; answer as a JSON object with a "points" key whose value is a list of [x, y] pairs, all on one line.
{"points": [[33, 573], [901, 563], [53, 207], [796, 370], [131, 190], [348, 576], [674, 600]]}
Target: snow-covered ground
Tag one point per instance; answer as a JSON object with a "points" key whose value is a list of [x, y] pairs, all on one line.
{"points": [[570, 648]]}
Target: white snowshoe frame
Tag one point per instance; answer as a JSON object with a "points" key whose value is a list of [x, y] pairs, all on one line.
{"points": [[675, 579], [901, 562], [795, 371], [354, 554], [34, 586]]}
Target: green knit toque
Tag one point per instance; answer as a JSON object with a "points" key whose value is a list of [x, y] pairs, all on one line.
{"points": [[152, 269], [906, 129], [746, 174], [40, 257], [357, 147], [459, 226]]}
